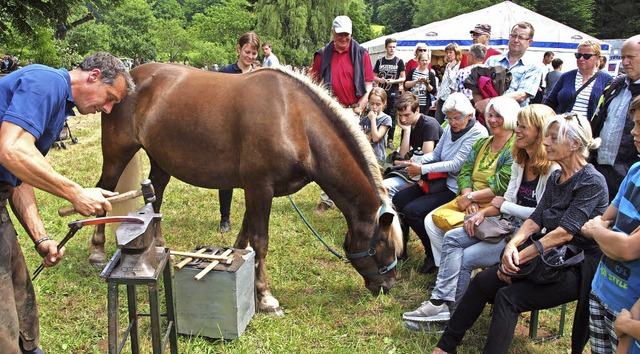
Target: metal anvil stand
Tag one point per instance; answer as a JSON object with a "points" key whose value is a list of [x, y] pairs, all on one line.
{"points": [[138, 262]]}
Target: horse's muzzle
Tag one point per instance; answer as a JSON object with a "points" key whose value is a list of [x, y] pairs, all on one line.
{"points": [[377, 288]]}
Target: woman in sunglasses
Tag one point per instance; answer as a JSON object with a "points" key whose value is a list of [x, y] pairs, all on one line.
{"points": [[580, 89]]}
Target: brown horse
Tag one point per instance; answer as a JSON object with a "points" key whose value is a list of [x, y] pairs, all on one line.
{"points": [[270, 132]]}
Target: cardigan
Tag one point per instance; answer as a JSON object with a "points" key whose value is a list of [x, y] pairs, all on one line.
{"points": [[497, 182], [565, 89]]}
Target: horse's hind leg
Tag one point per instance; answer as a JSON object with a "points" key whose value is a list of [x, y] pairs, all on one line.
{"points": [[255, 228]]}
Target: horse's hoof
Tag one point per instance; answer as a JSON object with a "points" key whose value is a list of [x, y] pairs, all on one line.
{"points": [[277, 311], [98, 259], [270, 304]]}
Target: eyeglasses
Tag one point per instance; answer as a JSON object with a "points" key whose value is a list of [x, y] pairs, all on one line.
{"points": [[583, 55], [458, 119], [497, 115], [522, 38]]}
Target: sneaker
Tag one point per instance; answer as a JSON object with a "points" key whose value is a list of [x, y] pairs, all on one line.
{"points": [[322, 208], [390, 145], [225, 225], [428, 312], [426, 327]]}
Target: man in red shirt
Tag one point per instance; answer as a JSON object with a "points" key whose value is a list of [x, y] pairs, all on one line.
{"points": [[481, 33], [345, 69]]}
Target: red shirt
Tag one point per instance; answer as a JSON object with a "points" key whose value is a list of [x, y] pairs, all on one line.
{"points": [[342, 75]]}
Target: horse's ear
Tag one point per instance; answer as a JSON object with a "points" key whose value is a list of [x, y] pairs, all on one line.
{"points": [[386, 219]]}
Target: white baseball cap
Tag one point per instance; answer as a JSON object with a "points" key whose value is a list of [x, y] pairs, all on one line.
{"points": [[342, 24]]}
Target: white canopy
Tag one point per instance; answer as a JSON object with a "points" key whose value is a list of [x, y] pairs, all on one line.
{"points": [[549, 35]]}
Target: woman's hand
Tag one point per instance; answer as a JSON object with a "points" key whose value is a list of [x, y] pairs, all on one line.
{"points": [[497, 202], [471, 223], [472, 208], [510, 259], [463, 202], [595, 225], [413, 169], [505, 278]]}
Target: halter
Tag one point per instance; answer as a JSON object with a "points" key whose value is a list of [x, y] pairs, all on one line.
{"points": [[371, 252]]}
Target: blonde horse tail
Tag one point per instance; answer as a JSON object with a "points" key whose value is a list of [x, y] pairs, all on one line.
{"points": [[129, 180]]}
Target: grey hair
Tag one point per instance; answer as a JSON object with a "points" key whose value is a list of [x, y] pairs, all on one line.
{"points": [[458, 102], [574, 127], [508, 108], [478, 50], [110, 68]]}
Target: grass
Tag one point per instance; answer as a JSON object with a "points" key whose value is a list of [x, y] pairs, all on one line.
{"points": [[327, 309]]}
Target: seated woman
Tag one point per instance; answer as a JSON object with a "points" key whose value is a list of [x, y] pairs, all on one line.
{"points": [[485, 173], [574, 194], [448, 156], [579, 90], [419, 132], [462, 251]]}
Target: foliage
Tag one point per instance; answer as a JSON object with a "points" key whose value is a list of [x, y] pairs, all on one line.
{"points": [[616, 18], [172, 40], [129, 26], [397, 15]]}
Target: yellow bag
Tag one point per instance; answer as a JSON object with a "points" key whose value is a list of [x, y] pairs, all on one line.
{"points": [[448, 216]]}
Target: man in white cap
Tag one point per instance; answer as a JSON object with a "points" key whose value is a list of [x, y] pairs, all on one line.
{"points": [[481, 34], [345, 68]]}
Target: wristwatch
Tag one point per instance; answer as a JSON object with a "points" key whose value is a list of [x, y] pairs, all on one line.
{"points": [[470, 196]]}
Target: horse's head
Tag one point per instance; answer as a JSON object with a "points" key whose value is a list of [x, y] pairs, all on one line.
{"points": [[375, 254]]}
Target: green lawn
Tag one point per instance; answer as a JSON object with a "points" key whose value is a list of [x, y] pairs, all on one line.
{"points": [[327, 309]]}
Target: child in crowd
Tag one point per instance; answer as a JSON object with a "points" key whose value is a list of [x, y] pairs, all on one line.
{"points": [[377, 123]]}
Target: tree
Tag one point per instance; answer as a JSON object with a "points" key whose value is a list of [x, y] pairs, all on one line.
{"points": [[172, 40], [616, 18], [299, 27], [397, 15], [129, 26]]}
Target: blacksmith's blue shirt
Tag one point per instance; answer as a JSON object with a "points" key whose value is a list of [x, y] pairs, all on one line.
{"points": [[38, 99]]}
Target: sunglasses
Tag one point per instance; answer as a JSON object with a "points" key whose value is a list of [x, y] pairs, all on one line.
{"points": [[583, 55]]}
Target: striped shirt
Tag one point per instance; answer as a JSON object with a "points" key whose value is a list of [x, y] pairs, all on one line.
{"points": [[582, 101]]}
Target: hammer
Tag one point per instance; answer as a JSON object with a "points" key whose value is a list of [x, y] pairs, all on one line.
{"points": [[146, 191]]}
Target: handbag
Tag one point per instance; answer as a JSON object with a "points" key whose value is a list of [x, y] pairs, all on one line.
{"points": [[433, 182], [492, 229], [549, 266], [448, 216]]}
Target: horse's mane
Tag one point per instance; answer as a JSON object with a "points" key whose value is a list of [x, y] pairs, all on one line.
{"points": [[340, 114], [359, 138]]}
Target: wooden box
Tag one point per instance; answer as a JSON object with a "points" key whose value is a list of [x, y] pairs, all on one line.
{"points": [[222, 303]]}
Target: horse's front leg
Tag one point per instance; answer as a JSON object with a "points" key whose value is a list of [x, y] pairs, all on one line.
{"points": [[255, 229]]}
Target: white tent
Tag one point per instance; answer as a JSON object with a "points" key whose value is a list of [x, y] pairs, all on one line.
{"points": [[549, 35]]}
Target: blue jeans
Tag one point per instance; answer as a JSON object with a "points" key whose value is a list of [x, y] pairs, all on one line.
{"points": [[395, 185], [461, 254]]}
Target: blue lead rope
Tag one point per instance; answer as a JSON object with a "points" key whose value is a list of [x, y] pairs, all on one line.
{"points": [[314, 231]]}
